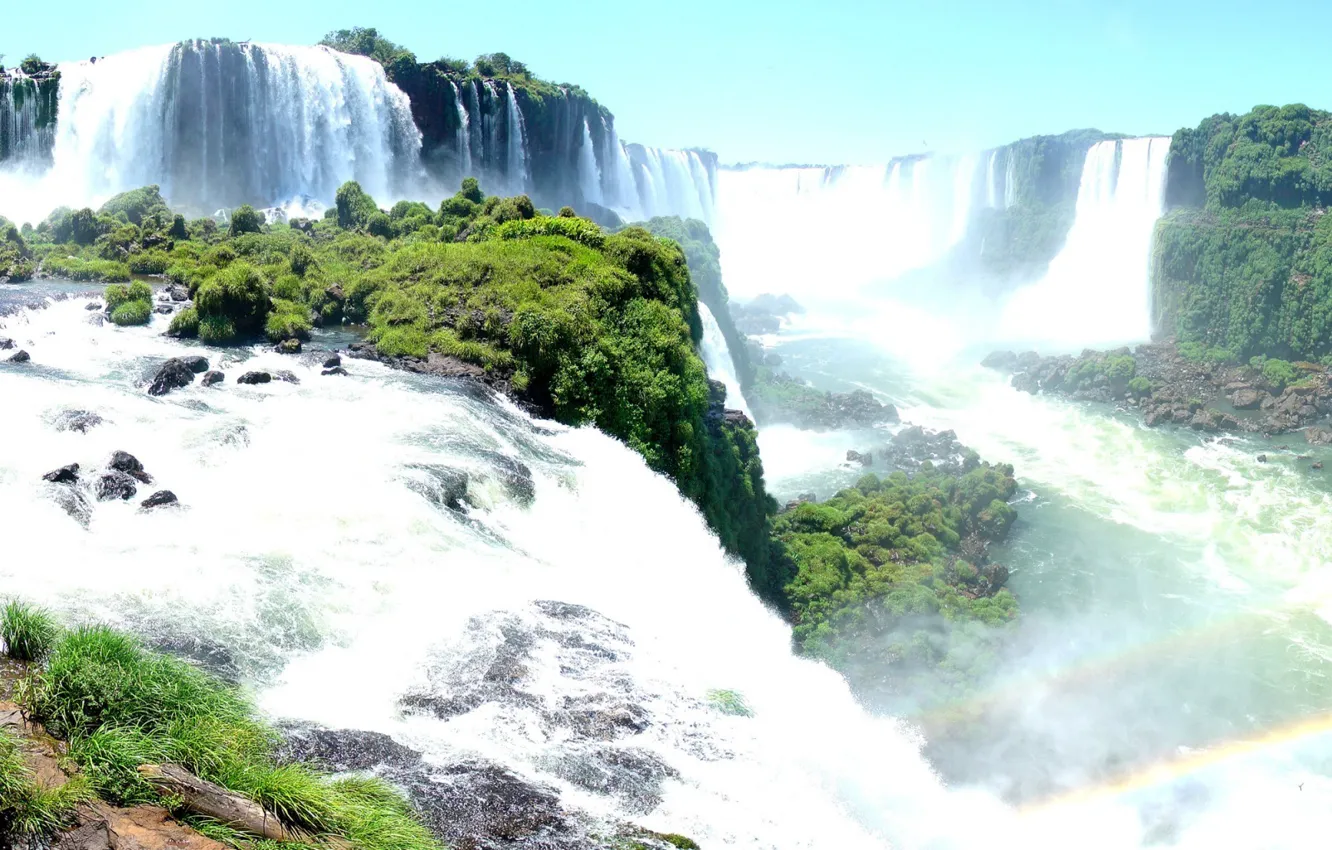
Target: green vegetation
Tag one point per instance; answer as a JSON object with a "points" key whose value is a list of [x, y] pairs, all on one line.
{"points": [[1244, 263], [130, 305], [15, 256], [28, 633], [877, 583], [729, 702], [119, 705], [29, 812]]}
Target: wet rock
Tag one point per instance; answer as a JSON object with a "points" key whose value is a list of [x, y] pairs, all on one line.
{"points": [[630, 774], [6, 343], [92, 305], [254, 378], [115, 485], [211, 378], [1000, 361], [129, 464], [799, 500], [286, 377], [160, 499], [605, 722], [196, 364], [1318, 436], [1262, 458], [853, 456], [482, 806], [78, 421], [179, 293], [1246, 399], [336, 370], [172, 375], [333, 362], [68, 474], [442, 486], [515, 476], [20, 356], [289, 346], [164, 309], [74, 502], [342, 750], [1318, 465]]}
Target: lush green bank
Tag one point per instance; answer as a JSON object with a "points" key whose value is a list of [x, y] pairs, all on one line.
{"points": [[1243, 262]]}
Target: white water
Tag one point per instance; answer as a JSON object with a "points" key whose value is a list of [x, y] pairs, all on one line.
{"points": [[869, 223], [589, 174], [717, 357], [464, 132], [291, 121], [517, 130], [1097, 291], [1010, 181], [18, 123]]}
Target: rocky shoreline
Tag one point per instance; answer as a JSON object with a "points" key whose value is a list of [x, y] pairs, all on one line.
{"points": [[1169, 387]]}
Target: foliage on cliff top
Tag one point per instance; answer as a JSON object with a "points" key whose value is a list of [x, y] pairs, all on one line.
{"points": [[891, 575], [119, 705], [1275, 155]]}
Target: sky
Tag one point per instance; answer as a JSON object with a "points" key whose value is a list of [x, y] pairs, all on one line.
{"points": [[834, 81]]}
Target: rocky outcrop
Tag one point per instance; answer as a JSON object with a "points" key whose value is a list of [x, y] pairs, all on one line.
{"points": [[78, 421], [173, 375], [160, 499], [1171, 388], [252, 378]]}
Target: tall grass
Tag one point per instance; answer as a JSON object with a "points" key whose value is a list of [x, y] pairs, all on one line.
{"points": [[120, 705], [28, 810], [28, 633]]}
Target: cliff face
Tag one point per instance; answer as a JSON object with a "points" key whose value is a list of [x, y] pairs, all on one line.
{"points": [[1242, 263]]}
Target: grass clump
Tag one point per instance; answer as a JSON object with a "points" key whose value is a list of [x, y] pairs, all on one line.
{"points": [[28, 632], [27, 810], [185, 324], [120, 705], [730, 702]]}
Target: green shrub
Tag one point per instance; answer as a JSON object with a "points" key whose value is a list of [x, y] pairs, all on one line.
{"points": [[354, 206], [217, 330], [287, 321], [185, 324], [729, 702], [28, 633], [235, 294], [29, 812], [149, 262], [137, 205], [1279, 373], [133, 313], [1140, 386], [245, 219]]}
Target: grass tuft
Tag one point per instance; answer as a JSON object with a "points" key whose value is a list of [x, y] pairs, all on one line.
{"points": [[28, 632]]}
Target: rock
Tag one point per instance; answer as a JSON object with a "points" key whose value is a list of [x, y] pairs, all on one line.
{"points": [[254, 378], [1246, 399], [74, 502], [115, 485], [1002, 361], [1318, 436], [336, 370], [1318, 464], [79, 421], [736, 419], [140, 828], [68, 474], [20, 357], [211, 378], [92, 305], [160, 499], [333, 362], [6, 343], [289, 346], [173, 374], [335, 293], [163, 309], [866, 459], [129, 464], [179, 293], [631, 774], [1262, 458], [515, 476], [198, 365], [442, 486], [342, 750], [286, 377]]}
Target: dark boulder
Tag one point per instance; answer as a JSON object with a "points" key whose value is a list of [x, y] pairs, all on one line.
{"points": [[20, 357], [336, 370], [254, 378], [68, 474], [79, 421], [129, 464], [1246, 399], [198, 365], [211, 378], [92, 305], [160, 499], [173, 374], [853, 456], [1262, 458], [333, 362], [179, 293], [6, 343], [342, 750], [288, 346], [115, 485], [286, 377], [163, 309]]}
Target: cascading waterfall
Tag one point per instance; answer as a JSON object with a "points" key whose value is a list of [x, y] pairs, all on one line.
{"points": [[517, 145], [1097, 291], [25, 137], [464, 132], [991, 187], [218, 124], [589, 175], [717, 356], [870, 223], [1010, 180]]}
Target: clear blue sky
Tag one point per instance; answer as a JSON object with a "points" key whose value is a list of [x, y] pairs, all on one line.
{"points": [[782, 81]]}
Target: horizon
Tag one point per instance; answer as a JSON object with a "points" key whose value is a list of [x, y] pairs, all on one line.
{"points": [[1066, 66]]}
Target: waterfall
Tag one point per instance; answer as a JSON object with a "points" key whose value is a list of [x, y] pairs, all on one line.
{"points": [[516, 166], [717, 357], [672, 182], [334, 609], [589, 175], [26, 135], [621, 190], [991, 188], [1010, 179], [827, 233], [464, 133], [1097, 290]]}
